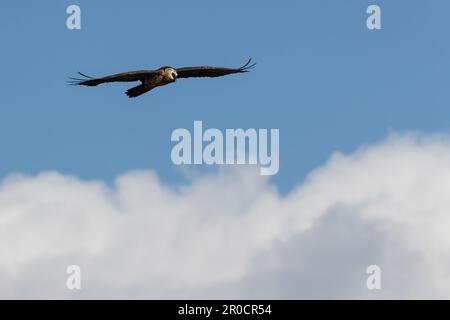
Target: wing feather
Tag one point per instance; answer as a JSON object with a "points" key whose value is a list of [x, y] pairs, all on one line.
{"points": [[119, 77], [212, 72]]}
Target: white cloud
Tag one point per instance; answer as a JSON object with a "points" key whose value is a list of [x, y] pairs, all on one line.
{"points": [[230, 235]]}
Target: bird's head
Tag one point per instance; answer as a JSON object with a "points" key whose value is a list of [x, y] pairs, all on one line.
{"points": [[170, 73]]}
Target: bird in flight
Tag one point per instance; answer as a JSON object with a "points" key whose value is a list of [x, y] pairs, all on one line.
{"points": [[151, 79]]}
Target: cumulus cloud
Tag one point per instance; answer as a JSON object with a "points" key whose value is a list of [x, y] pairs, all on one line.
{"points": [[231, 235]]}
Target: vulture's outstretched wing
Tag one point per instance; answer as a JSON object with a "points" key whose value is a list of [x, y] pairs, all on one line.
{"points": [[120, 77], [196, 72]]}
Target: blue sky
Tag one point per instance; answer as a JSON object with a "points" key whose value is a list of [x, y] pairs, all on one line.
{"points": [[322, 78]]}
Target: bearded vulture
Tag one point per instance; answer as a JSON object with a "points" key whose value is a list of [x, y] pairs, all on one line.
{"points": [[151, 79]]}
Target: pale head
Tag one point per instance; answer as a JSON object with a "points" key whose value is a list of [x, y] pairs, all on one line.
{"points": [[170, 73]]}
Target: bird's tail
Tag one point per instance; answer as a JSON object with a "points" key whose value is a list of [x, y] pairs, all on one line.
{"points": [[137, 91]]}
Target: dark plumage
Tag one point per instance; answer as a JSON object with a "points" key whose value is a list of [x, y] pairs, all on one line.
{"points": [[151, 79]]}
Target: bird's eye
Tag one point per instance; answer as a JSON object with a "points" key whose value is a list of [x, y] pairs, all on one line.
{"points": [[174, 74]]}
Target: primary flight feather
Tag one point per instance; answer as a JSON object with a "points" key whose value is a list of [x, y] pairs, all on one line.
{"points": [[151, 79]]}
